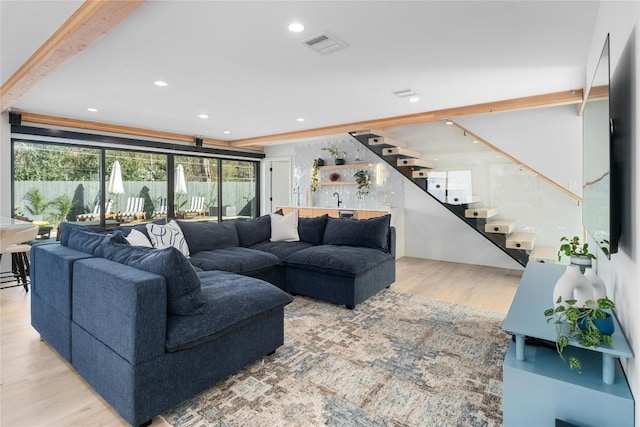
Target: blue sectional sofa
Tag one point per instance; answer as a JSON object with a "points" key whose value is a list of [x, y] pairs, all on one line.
{"points": [[148, 328]]}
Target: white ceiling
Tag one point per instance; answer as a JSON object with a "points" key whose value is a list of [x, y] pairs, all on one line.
{"points": [[237, 62]]}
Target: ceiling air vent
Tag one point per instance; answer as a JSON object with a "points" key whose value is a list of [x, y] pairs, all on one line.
{"points": [[325, 43]]}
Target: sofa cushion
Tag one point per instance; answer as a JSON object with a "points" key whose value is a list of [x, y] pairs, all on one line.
{"points": [[281, 249], [184, 295], [347, 261], [254, 231], [209, 235], [164, 236], [138, 238], [236, 260], [367, 233], [312, 229], [83, 240], [284, 228], [126, 229], [64, 228], [230, 301]]}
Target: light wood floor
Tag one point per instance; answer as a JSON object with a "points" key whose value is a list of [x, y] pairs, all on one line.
{"points": [[38, 388]]}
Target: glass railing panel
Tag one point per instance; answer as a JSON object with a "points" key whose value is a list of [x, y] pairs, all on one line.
{"points": [[470, 174]]}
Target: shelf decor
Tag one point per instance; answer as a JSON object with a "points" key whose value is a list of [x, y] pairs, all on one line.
{"points": [[362, 179]]}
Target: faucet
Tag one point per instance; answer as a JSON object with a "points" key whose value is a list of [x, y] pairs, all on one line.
{"points": [[338, 195]]}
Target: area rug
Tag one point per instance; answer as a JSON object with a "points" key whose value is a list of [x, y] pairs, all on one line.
{"points": [[395, 360]]}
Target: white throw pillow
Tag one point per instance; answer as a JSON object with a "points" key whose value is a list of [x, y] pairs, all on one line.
{"points": [[285, 228], [163, 236], [138, 238]]}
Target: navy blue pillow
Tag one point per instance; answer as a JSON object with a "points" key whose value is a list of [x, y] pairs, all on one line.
{"points": [[184, 295], [368, 233], [81, 239], [254, 231], [311, 230], [208, 235], [64, 228]]}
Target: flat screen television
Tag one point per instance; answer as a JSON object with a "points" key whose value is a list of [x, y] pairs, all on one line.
{"points": [[599, 186]]}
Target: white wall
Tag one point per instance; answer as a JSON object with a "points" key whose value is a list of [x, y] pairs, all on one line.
{"points": [[622, 273], [5, 176]]}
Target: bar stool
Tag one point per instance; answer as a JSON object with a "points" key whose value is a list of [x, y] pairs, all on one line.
{"points": [[11, 242]]}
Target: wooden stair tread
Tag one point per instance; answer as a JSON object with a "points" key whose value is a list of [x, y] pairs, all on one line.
{"points": [[377, 132], [544, 254], [381, 140], [502, 226], [399, 151], [521, 240], [420, 173], [463, 200], [481, 212], [415, 163]]}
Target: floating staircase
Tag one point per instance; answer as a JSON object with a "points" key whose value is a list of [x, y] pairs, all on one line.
{"points": [[452, 190]]}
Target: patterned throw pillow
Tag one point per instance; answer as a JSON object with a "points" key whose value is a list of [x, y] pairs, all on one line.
{"points": [[164, 236]]}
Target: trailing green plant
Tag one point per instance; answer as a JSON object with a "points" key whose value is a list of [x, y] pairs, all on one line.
{"points": [[36, 202], [314, 176], [577, 323], [362, 179], [335, 151], [572, 246]]}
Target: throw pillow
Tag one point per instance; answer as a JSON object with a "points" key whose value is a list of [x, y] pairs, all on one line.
{"points": [[367, 233], [164, 236], [311, 230], [83, 240], [138, 238], [285, 228], [209, 235], [184, 295], [254, 231]]}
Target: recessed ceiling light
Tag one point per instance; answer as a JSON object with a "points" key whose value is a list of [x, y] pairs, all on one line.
{"points": [[475, 141], [405, 93], [296, 27], [300, 119], [449, 122], [227, 132], [160, 83], [203, 116], [414, 99], [93, 110]]}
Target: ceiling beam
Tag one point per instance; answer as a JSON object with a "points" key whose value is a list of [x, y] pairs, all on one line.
{"points": [[536, 101], [92, 20], [127, 130]]}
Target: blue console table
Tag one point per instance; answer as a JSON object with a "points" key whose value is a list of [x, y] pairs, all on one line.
{"points": [[538, 387]]}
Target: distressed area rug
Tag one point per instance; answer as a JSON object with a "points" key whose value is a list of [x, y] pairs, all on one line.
{"points": [[396, 360]]}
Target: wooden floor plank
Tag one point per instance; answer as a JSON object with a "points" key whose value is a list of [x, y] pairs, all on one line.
{"points": [[39, 388]]}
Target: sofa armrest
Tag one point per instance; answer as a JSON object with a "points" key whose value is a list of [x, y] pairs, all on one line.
{"points": [[392, 241], [121, 306]]}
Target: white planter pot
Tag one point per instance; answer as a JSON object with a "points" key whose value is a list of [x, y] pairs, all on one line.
{"points": [[597, 285], [567, 283]]}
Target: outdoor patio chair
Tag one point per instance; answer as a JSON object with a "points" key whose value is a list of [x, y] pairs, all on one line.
{"points": [[134, 210], [96, 212], [197, 206], [161, 211]]}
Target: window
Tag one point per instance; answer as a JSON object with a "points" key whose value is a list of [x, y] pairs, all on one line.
{"points": [[54, 183]]}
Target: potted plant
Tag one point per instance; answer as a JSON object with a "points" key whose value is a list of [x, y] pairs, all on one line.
{"points": [[211, 203], [362, 179], [338, 154], [589, 324], [579, 253], [37, 205], [63, 205]]}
